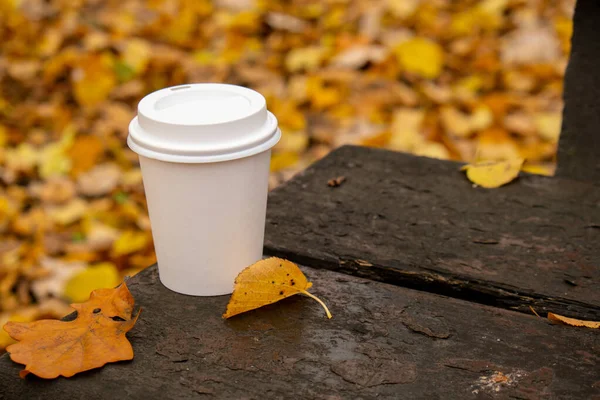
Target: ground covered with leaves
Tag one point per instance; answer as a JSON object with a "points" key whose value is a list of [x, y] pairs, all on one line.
{"points": [[460, 80]]}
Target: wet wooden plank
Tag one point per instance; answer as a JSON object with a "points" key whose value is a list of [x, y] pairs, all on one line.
{"points": [[579, 148], [419, 223], [383, 342]]}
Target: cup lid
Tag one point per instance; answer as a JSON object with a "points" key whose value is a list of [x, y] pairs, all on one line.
{"points": [[202, 122]]}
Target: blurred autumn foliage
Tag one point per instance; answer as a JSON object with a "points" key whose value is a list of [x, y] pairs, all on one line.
{"points": [[440, 78]]}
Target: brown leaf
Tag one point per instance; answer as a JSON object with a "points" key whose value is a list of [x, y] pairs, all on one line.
{"points": [[50, 348], [57, 190], [100, 180], [335, 182]]}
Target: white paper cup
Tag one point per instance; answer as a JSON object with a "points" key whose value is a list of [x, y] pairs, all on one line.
{"points": [[204, 153]]}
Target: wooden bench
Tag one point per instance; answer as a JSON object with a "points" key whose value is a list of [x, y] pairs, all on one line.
{"points": [[409, 222], [429, 279]]}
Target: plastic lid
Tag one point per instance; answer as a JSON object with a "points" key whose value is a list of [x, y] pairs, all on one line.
{"points": [[204, 122]]}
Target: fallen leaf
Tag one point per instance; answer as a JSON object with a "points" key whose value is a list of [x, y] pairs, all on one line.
{"points": [[283, 160], [129, 242], [546, 169], [59, 273], [335, 182], [50, 348], [406, 126], [57, 190], [266, 282], [48, 308], [285, 22], [67, 214], [358, 56], [53, 159], [421, 56], [100, 236], [100, 180], [493, 174], [136, 55], [99, 276], [292, 142], [93, 79], [304, 58], [402, 8], [22, 158], [548, 125], [85, 153], [572, 321], [530, 46]]}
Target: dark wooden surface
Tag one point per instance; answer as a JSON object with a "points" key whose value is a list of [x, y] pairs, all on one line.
{"points": [[419, 223], [579, 149], [383, 342]]}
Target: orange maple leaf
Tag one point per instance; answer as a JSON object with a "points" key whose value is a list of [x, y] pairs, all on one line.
{"points": [[50, 348]]}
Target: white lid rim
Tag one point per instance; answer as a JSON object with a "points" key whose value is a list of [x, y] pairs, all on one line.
{"points": [[207, 157]]}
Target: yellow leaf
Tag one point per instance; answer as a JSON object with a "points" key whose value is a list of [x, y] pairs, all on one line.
{"points": [[548, 125], [293, 141], [467, 88], [179, 29], [493, 174], [464, 125], [402, 8], [421, 56], [288, 114], [267, 282], [433, 150], [334, 17], [22, 158], [406, 127], [204, 57], [572, 321], [464, 22], [99, 276], [71, 212], [131, 178], [93, 79], [321, 95], [304, 58], [53, 162], [283, 160], [539, 169], [136, 55], [245, 20], [53, 158], [129, 242]]}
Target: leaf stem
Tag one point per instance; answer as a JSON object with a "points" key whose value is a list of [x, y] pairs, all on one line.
{"points": [[312, 296]]}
